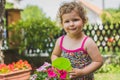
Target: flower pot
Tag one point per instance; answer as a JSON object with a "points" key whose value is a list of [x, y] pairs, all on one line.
{"points": [[16, 75]]}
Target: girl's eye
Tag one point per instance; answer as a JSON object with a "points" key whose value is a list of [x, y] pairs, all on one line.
{"points": [[66, 21], [75, 19]]}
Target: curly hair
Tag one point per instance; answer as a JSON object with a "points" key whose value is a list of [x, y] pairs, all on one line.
{"points": [[67, 7]]}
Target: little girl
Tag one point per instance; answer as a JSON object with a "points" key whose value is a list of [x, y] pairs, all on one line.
{"points": [[79, 48]]}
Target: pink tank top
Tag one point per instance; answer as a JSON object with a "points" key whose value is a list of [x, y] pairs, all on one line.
{"points": [[79, 49], [79, 58]]}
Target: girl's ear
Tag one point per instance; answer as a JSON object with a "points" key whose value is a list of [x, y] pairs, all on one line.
{"points": [[61, 24], [83, 23], [82, 26]]}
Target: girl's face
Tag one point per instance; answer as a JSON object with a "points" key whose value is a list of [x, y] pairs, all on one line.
{"points": [[72, 23]]}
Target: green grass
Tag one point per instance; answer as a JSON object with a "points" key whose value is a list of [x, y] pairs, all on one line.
{"points": [[107, 76]]}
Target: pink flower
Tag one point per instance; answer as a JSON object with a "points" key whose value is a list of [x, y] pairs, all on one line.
{"points": [[40, 69], [63, 74], [51, 73], [43, 67], [46, 64]]}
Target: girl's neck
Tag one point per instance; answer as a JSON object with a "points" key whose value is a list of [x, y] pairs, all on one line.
{"points": [[76, 36]]}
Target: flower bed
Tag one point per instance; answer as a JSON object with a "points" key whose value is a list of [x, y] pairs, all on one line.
{"points": [[57, 70]]}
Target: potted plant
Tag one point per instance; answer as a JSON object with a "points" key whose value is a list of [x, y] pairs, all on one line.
{"points": [[20, 69]]}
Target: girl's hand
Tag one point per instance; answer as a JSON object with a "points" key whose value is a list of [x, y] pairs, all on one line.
{"points": [[75, 73]]}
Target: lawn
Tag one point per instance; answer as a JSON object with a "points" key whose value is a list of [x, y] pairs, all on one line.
{"points": [[107, 76]]}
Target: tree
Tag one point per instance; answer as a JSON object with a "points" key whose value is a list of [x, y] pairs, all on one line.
{"points": [[37, 31], [32, 12], [111, 16]]}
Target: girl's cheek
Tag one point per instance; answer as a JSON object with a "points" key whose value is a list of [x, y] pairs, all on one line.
{"points": [[66, 25], [77, 23]]}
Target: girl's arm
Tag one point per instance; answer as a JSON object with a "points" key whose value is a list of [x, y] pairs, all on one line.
{"points": [[96, 63], [94, 53], [56, 51]]}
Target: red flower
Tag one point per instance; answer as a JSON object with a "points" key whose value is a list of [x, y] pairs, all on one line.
{"points": [[2, 66], [110, 39], [11, 67], [63, 74], [20, 65], [51, 72]]}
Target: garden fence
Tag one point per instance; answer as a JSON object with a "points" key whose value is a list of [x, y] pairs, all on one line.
{"points": [[106, 36]]}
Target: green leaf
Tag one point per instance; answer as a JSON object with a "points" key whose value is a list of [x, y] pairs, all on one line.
{"points": [[62, 64]]}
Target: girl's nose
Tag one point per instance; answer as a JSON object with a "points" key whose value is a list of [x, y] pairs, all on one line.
{"points": [[71, 23]]}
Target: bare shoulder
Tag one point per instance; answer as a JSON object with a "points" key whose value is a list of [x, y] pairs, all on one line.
{"points": [[93, 50], [91, 46], [58, 40], [57, 44], [57, 50], [90, 42]]}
